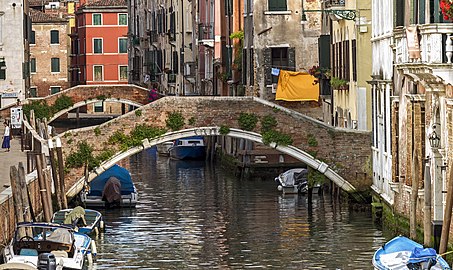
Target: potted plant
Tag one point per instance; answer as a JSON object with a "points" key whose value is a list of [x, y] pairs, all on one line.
{"points": [[319, 73], [338, 83], [447, 9]]}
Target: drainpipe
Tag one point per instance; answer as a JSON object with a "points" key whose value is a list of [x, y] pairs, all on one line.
{"points": [[182, 49]]}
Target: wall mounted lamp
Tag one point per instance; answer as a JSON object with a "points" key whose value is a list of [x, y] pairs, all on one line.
{"points": [[434, 139], [347, 14]]}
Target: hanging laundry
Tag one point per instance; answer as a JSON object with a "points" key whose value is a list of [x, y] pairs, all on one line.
{"points": [[296, 86], [275, 71]]}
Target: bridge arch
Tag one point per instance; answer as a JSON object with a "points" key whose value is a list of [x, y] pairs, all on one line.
{"points": [[215, 131], [91, 101]]}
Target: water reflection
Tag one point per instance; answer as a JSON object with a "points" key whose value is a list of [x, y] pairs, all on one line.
{"points": [[197, 216]]}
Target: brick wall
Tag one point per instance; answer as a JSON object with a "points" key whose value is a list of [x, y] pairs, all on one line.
{"points": [[346, 151]]}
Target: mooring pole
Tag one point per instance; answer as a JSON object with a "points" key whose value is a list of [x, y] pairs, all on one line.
{"points": [[447, 214], [427, 204], [414, 196], [64, 202]]}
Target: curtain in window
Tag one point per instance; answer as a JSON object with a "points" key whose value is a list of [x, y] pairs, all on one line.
{"points": [[98, 73], [98, 46], [97, 19], [123, 73], [123, 45]]}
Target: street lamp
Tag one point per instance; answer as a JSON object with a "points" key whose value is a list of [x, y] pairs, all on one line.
{"points": [[434, 139], [347, 14]]}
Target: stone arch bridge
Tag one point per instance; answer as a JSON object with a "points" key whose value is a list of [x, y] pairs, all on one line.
{"points": [[85, 94], [342, 155]]}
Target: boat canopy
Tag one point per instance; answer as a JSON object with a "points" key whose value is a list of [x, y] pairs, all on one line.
{"points": [[122, 174]]}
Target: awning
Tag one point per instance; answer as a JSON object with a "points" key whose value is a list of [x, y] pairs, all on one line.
{"points": [[296, 86]]}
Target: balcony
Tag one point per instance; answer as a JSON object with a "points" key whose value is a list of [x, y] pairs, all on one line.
{"points": [[435, 44], [206, 34], [152, 36], [171, 78]]}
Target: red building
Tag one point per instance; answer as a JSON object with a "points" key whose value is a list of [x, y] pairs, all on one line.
{"points": [[99, 43]]}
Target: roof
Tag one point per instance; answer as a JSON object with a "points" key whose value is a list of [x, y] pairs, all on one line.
{"points": [[106, 3], [41, 17]]}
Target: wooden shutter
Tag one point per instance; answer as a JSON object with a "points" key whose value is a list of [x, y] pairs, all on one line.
{"points": [[267, 55]]}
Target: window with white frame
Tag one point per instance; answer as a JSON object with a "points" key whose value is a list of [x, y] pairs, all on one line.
{"points": [[33, 91], [55, 64], [97, 19], [55, 89], [32, 38], [98, 73], [97, 45], [54, 37], [123, 73], [122, 19], [122, 45], [99, 106], [33, 65]]}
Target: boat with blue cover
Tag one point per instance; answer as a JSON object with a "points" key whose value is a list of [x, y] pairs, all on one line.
{"points": [[112, 188], [404, 253], [33, 240], [188, 148]]}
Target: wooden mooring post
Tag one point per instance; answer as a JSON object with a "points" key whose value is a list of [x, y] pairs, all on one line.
{"points": [[447, 214], [44, 188]]}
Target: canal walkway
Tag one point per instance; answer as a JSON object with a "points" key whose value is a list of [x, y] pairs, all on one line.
{"points": [[8, 159]]}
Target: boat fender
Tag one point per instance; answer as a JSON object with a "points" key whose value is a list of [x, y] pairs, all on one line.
{"points": [[90, 258], [280, 188], [94, 250], [96, 231], [101, 225]]}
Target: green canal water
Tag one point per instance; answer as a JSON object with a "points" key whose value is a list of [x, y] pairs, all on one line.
{"points": [[192, 215]]}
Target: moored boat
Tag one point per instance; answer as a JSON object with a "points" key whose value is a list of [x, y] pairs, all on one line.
{"points": [[293, 181], [33, 240], [188, 148], [404, 253], [112, 188], [87, 221]]}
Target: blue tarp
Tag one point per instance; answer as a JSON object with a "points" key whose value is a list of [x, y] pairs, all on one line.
{"points": [[98, 183], [422, 255]]}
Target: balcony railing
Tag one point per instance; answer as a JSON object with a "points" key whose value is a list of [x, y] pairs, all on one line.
{"points": [[435, 43], [206, 31], [335, 3]]}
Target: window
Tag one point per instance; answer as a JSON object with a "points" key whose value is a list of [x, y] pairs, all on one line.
{"points": [[97, 45], [122, 19], [54, 37], [55, 65], [99, 106], [122, 45], [123, 73], [2, 69], [98, 73], [279, 60], [55, 89], [277, 5], [33, 91], [97, 19], [32, 37], [33, 65]]}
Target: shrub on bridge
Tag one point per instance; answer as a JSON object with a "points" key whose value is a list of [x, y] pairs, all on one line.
{"points": [[83, 156], [61, 103], [175, 121], [42, 110], [268, 122], [135, 138], [273, 136], [247, 121]]}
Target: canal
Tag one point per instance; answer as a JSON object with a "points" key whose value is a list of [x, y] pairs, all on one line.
{"points": [[195, 216]]}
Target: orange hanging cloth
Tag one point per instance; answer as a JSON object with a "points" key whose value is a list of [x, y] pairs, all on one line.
{"points": [[296, 86]]}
